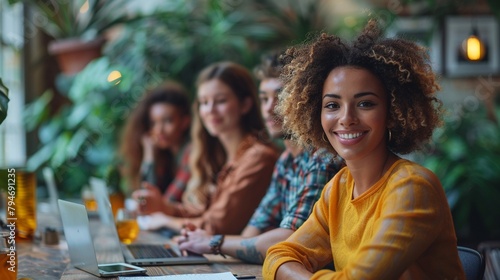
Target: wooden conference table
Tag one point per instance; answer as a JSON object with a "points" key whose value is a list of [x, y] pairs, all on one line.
{"points": [[39, 261]]}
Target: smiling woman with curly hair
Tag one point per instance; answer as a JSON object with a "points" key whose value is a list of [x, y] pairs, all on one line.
{"points": [[402, 67], [381, 217]]}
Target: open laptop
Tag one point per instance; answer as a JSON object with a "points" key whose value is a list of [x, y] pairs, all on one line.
{"points": [[139, 253], [81, 247]]}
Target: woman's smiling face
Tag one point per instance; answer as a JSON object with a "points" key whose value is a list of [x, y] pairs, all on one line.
{"points": [[354, 112], [168, 125], [219, 108]]}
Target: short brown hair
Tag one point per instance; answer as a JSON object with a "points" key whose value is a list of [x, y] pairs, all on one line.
{"points": [[270, 66]]}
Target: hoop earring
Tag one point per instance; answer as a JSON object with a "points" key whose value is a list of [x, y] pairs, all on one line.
{"points": [[390, 135], [323, 137]]}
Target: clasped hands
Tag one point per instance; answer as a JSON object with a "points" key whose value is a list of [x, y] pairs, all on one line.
{"points": [[194, 240]]}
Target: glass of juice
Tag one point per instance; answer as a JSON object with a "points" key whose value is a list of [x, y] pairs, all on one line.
{"points": [[127, 226], [21, 204], [88, 199]]}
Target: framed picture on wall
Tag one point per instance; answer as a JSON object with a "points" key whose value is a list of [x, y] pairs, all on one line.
{"points": [[424, 31], [457, 30]]}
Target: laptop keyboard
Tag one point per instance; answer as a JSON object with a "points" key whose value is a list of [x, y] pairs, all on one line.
{"points": [[143, 251]]}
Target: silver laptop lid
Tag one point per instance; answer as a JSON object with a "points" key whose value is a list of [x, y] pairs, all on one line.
{"points": [[77, 232], [106, 213], [101, 195]]}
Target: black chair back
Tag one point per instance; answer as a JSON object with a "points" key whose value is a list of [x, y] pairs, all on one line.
{"points": [[472, 262]]}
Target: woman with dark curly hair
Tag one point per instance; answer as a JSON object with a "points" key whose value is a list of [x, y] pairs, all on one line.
{"points": [[155, 145], [380, 217]]}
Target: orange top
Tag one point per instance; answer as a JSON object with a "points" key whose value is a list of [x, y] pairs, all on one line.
{"points": [[241, 184]]}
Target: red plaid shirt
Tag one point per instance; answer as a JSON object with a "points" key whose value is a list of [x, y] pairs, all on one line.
{"points": [[178, 185]]}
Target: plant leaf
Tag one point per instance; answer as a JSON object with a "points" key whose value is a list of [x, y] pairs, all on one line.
{"points": [[37, 111], [4, 100], [42, 156]]}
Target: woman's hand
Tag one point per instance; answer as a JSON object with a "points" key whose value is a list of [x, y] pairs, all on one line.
{"points": [[149, 199], [196, 241]]}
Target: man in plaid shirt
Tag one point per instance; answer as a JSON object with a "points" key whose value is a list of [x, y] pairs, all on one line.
{"points": [[298, 179]]}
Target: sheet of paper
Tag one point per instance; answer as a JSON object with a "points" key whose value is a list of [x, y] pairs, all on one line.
{"points": [[204, 276]]}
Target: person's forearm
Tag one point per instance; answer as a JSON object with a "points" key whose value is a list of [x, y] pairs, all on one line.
{"points": [[168, 207], [174, 223], [253, 250], [244, 249], [292, 270]]}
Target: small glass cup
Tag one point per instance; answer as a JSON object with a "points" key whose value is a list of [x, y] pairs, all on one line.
{"points": [[88, 199], [8, 258], [127, 226]]}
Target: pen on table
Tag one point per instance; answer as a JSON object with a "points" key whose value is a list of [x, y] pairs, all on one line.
{"points": [[244, 276]]}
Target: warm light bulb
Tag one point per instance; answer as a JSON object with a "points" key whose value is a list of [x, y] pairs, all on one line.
{"points": [[473, 48], [114, 77]]}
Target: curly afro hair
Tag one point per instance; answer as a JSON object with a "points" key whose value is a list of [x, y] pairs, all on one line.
{"points": [[402, 66]]}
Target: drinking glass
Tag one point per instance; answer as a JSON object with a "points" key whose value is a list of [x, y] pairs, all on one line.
{"points": [[21, 205], [127, 226], [88, 199]]}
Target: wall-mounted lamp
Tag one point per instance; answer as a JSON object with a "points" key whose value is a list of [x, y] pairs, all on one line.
{"points": [[473, 47]]}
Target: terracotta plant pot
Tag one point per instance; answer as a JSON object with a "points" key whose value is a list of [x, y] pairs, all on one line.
{"points": [[74, 54]]}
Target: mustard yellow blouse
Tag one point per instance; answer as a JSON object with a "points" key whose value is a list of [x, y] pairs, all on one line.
{"points": [[401, 228]]}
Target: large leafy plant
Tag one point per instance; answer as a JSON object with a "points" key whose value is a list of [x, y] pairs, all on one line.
{"points": [[187, 35], [84, 19], [175, 42], [465, 156], [78, 141], [4, 100]]}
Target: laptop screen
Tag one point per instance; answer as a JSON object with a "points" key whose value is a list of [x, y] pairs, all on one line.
{"points": [[77, 233]]}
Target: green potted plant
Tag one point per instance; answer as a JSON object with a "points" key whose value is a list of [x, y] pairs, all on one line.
{"points": [[464, 155], [79, 140], [77, 26], [175, 42]]}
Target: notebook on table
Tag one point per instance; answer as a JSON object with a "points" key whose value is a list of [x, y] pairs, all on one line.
{"points": [[139, 253], [81, 247]]}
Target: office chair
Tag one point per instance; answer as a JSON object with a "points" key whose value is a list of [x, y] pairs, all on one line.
{"points": [[472, 262]]}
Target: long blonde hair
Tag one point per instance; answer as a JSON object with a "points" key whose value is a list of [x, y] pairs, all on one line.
{"points": [[208, 155]]}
